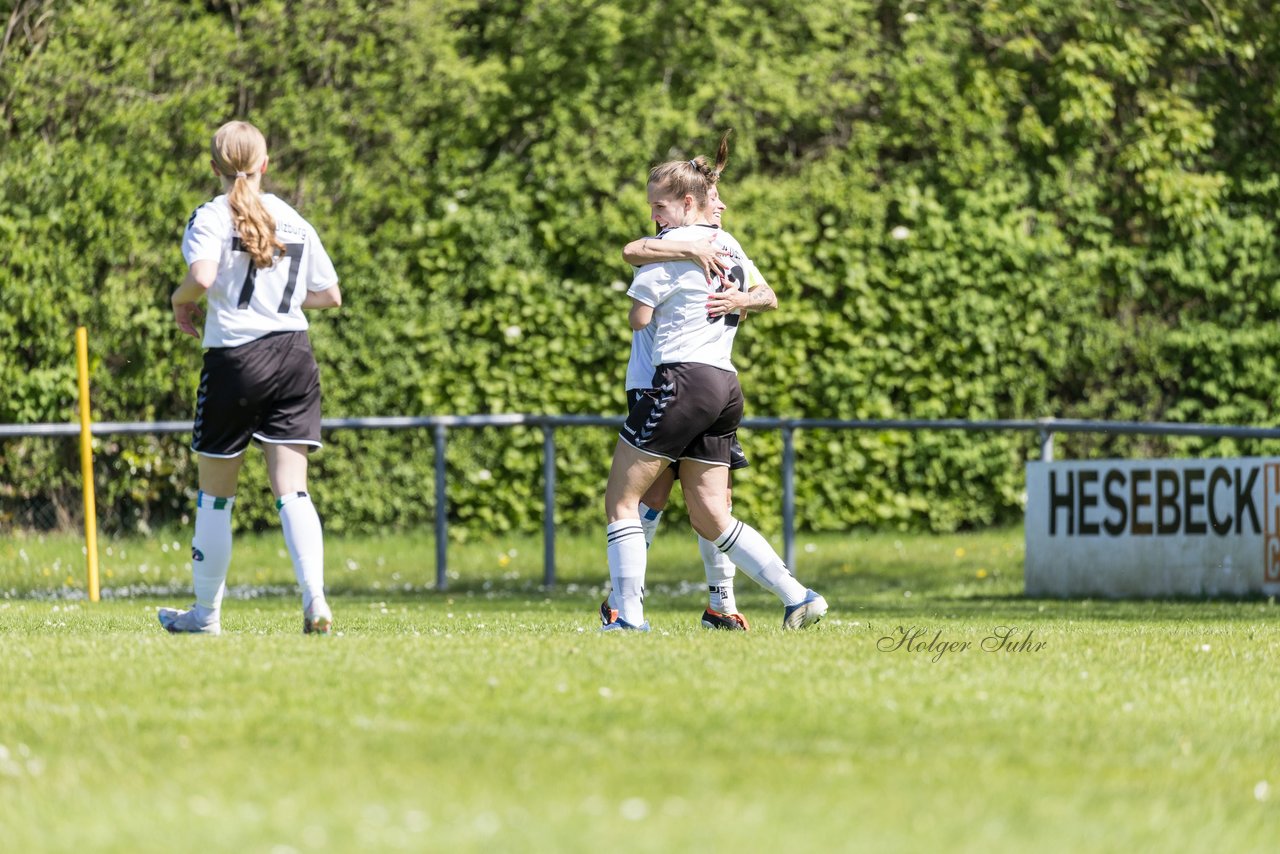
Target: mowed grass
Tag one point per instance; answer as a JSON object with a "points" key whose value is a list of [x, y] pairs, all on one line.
{"points": [[494, 716]]}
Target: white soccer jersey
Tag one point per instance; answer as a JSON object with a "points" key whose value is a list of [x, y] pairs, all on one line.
{"points": [[244, 302], [677, 291]]}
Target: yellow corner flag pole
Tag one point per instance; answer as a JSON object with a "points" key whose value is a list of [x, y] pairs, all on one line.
{"points": [[86, 462]]}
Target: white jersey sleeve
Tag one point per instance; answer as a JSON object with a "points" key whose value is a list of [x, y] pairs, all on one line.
{"points": [[320, 273], [653, 283], [203, 238]]}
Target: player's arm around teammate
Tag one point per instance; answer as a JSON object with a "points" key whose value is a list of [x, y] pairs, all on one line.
{"points": [[647, 250], [256, 263]]}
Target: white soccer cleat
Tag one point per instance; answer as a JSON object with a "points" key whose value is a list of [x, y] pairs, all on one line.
{"points": [[318, 619], [806, 613], [189, 622]]}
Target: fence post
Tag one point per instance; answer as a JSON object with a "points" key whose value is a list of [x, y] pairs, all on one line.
{"points": [[1046, 446], [442, 511], [789, 497], [86, 463], [548, 506]]}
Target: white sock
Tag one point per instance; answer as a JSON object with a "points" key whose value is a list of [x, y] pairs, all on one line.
{"points": [[751, 552], [305, 540], [626, 549], [720, 572], [211, 551], [649, 519]]}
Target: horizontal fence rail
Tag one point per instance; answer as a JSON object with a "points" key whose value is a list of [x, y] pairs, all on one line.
{"points": [[1045, 428]]}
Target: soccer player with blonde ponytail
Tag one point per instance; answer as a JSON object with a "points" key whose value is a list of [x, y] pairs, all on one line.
{"points": [[240, 152], [258, 264]]}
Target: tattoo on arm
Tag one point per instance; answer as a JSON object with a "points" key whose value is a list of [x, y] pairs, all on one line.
{"points": [[761, 298]]}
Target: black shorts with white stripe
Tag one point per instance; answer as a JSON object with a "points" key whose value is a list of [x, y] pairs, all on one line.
{"points": [[267, 390], [692, 414], [737, 456]]}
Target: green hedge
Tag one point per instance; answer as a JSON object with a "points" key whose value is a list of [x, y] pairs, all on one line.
{"points": [[976, 210]]}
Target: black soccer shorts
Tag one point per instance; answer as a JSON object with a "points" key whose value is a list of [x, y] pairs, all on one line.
{"points": [[737, 456], [692, 414], [267, 390]]}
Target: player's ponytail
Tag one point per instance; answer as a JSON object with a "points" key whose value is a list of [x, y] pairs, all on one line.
{"points": [[679, 178], [722, 155], [239, 153], [711, 174]]}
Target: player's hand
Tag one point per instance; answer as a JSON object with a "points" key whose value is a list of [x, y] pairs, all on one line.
{"points": [[706, 256], [186, 314], [725, 300]]}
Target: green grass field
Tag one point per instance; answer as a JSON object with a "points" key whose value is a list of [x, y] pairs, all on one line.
{"points": [[495, 717]]}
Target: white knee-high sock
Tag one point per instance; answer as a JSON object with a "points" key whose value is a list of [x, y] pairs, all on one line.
{"points": [[649, 518], [751, 552], [304, 538], [720, 572], [627, 557], [211, 550]]}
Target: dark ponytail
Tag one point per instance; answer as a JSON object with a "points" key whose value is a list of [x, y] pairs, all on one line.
{"points": [[722, 154], [709, 173]]}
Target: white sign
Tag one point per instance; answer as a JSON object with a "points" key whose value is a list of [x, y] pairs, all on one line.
{"points": [[1137, 528]]}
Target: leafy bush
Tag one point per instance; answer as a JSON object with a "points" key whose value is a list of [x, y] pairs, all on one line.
{"points": [[969, 210]]}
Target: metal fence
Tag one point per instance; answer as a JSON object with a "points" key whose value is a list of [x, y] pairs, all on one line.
{"points": [[1045, 428]]}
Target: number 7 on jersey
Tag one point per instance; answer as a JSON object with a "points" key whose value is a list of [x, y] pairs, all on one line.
{"points": [[293, 252]]}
